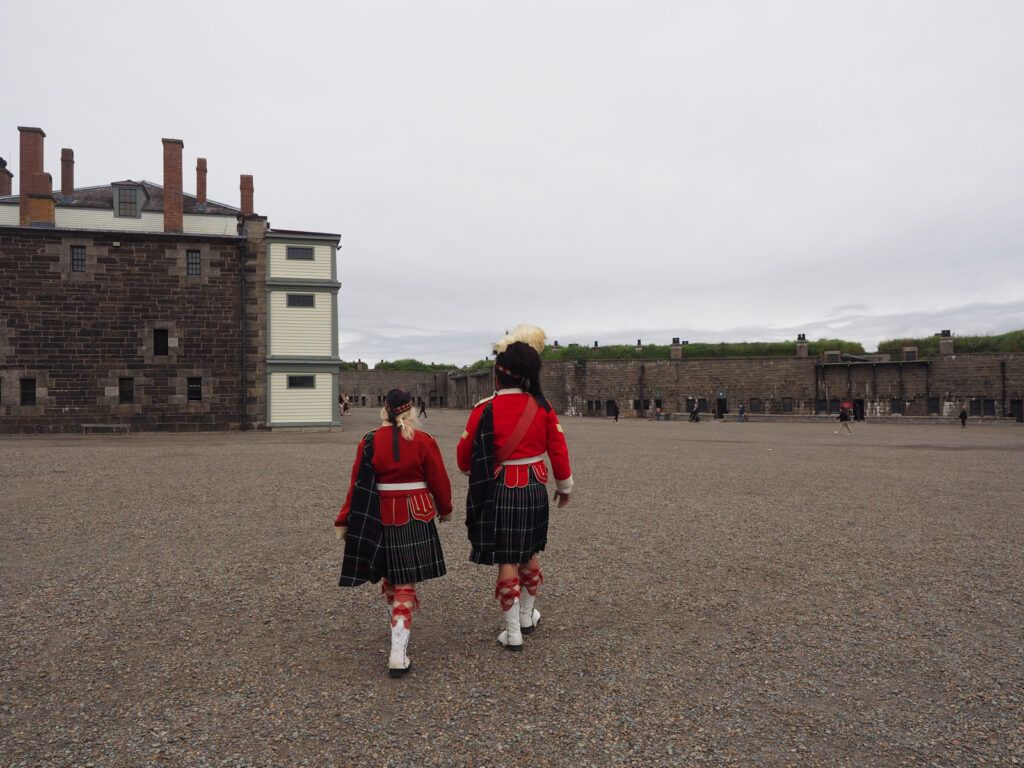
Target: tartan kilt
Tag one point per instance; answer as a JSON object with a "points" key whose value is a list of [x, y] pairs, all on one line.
{"points": [[413, 552], [521, 522]]}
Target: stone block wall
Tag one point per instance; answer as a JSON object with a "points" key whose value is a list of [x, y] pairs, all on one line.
{"points": [[367, 388], [77, 333]]}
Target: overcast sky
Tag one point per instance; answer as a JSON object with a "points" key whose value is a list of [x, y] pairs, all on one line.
{"points": [[610, 171]]}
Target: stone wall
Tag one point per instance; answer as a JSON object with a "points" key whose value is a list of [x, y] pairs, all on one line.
{"points": [[78, 333], [367, 388]]}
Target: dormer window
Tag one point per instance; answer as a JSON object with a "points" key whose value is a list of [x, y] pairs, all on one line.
{"points": [[127, 201]]}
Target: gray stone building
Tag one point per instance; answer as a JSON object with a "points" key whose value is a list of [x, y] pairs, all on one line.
{"points": [[134, 305]]}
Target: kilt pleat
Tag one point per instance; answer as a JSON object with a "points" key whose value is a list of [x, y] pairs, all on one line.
{"points": [[413, 552], [521, 529]]}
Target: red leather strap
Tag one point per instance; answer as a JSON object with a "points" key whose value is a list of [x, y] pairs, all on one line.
{"points": [[519, 432]]}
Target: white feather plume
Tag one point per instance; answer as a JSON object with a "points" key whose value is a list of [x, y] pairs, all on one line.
{"points": [[528, 334]]}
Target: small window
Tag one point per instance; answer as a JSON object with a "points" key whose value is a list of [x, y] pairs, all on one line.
{"points": [[194, 388], [299, 253], [989, 407], [833, 405], [302, 382], [822, 405], [975, 407], [127, 202], [301, 300], [193, 263], [702, 404], [896, 406], [160, 341], [787, 405], [657, 403], [125, 391], [933, 405], [78, 258], [690, 402], [28, 391], [636, 405], [755, 405]]}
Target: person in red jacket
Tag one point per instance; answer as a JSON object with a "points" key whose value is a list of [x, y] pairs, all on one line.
{"points": [[502, 450], [398, 485]]}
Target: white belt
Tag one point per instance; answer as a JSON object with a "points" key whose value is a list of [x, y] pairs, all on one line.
{"points": [[400, 486], [520, 462]]}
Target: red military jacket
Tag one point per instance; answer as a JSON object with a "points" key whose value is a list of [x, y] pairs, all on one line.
{"points": [[543, 436], [419, 462]]}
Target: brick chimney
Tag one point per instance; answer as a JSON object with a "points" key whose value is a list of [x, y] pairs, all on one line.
{"points": [[201, 182], [5, 178], [675, 351], [31, 166], [67, 173], [172, 185], [245, 185], [946, 343], [40, 202]]}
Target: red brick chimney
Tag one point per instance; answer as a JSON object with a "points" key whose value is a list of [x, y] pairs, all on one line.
{"points": [[201, 182], [31, 166], [245, 186], [5, 178], [67, 172], [40, 202], [172, 185]]}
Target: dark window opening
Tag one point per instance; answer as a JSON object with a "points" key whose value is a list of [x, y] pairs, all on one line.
{"points": [[690, 402], [755, 405], [821, 406], [193, 263], [125, 391], [787, 405], [975, 407], [78, 258], [657, 403], [989, 407], [302, 382], [636, 405], [194, 388], [896, 406], [127, 202], [301, 300], [702, 404], [300, 253], [28, 391], [833, 405], [160, 342], [933, 405]]}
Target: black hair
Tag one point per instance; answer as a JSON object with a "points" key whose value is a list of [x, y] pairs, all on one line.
{"points": [[521, 365]]}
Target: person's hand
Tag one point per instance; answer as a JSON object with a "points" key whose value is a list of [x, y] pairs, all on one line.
{"points": [[444, 518], [562, 499], [340, 531]]}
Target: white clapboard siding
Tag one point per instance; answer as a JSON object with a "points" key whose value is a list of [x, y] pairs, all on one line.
{"points": [[8, 216], [210, 224], [317, 269], [92, 218], [300, 330], [300, 406]]}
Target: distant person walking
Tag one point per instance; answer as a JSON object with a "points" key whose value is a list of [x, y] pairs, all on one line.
{"points": [[844, 421], [695, 414], [963, 418], [615, 410], [743, 413], [423, 408]]}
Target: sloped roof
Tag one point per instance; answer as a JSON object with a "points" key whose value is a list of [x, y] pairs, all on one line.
{"points": [[103, 197]]}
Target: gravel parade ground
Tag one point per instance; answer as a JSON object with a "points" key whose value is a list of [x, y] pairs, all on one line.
{"points": [[761, 594]]}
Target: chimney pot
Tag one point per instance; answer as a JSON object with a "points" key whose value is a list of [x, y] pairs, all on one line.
{"points": [[67, 172], [246, 188], [201, 182]]}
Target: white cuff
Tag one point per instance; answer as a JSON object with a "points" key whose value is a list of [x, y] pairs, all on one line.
{"points": [[564, 486]]}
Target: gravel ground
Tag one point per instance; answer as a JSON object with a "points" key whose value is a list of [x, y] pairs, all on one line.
{"points": [[716, 594]]}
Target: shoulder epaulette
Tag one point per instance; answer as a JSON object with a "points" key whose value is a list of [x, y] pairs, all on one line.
{"points": [[485, 400]]}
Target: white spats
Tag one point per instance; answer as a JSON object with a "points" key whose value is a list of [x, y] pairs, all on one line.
{"points": [[511, 637], [398, 662], [528, 615]]}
